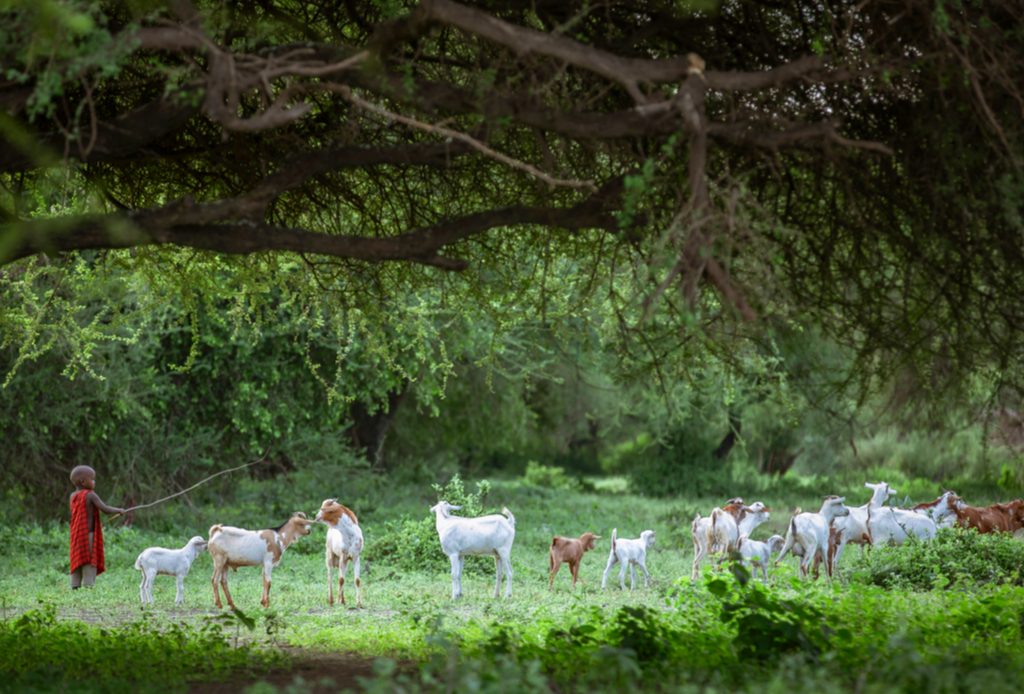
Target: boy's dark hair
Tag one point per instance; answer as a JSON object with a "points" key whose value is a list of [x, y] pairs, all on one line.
{"points": [[80, 472]]}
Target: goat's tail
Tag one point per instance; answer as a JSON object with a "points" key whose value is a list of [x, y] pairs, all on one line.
{"points": [[790, 539], [214, 529], [614, 530], [508, 514], [138, 562]]}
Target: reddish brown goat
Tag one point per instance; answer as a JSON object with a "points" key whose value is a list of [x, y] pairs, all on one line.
{"points": [[997, 518], [571, 551]]}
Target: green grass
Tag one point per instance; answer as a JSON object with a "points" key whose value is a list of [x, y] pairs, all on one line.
{"points": [[408, 615]]}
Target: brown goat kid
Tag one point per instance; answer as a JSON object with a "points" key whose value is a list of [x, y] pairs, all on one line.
{"points": [[571, 551]]}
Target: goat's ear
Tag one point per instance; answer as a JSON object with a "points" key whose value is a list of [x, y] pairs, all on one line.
{"points": [[455, 508], [300, 514]]}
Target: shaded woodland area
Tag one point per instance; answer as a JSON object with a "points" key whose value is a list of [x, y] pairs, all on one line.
{"points": [[440, 235]]}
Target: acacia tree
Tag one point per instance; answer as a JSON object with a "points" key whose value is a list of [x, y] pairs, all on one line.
{"points": [[854, 166]]}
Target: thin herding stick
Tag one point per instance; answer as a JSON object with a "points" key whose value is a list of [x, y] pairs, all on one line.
{"points": [[200, 482]]}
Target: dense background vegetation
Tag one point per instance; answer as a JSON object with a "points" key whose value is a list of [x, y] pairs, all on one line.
{"points": [[623, 260]]}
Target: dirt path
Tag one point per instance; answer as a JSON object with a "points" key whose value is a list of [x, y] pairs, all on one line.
{"points": [[319, 671]]}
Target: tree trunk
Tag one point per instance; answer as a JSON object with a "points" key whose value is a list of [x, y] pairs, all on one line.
{"points": [[369, 429]]}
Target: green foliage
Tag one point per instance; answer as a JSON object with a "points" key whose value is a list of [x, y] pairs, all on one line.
{"points": [[681, 465], [410, 544], [40, 651], [549, 477], [957, 556], [767, 625]]}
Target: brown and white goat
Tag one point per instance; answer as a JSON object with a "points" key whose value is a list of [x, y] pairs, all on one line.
{"points": [[569, 550], [344, 545], [231, 547]]}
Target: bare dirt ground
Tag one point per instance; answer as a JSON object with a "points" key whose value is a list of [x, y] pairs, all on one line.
{"points": [[313, 671]]}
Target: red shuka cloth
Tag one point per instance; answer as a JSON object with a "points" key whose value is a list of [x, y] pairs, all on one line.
{"points": [[81, 552]]}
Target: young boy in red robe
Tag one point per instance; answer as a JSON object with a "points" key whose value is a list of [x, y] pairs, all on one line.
{"points": [[86, 531]]}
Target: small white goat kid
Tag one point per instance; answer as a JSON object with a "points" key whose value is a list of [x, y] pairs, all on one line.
{"points": [[629, 553], [155, 561], [461, 537], [344, 545], [758, 555]]}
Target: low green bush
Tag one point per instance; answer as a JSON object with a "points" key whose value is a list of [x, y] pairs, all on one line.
{"points": [[549, 477], [955, 556]]}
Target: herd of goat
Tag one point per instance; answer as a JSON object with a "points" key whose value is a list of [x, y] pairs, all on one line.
{"points": [[815, 538]]}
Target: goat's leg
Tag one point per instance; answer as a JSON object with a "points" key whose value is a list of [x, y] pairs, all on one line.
{"points": [[456, 574], [267, 568], [574, 568], [215, 580], [555, 565], [359, 585], [698, 556], [497, 574], [330, 582], [643, 567], [179, 596], [507, 559], [623, 566], [342, 568], [608, 570], [142, 588]]}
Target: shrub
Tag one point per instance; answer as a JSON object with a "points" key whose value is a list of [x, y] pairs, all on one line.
{"points": [[956, 555], [682, 464], [411, 544], [549, 477]]}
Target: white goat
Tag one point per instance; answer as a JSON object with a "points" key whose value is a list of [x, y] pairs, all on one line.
{"points": [[942, 510], [758, 555], [726, 528], [461, 537], [232, 547], [700, 531], [808, 535], [155, 561], [895, 525], [854, 527], [344, 545], [629, 553]]}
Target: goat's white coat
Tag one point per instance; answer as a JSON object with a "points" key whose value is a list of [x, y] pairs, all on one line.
{"points": [[895, 525], [629, 553], [462, 537], [232, 547], [758, 555], [808, 533], [155, 561], [344, 545], [854, 527], [700, 531], [725, 531]]}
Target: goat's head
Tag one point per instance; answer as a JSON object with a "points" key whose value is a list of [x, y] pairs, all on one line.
{"points": [[589, 540], [444, 508], [881, 491], [331, 512], [735, 500], [775, 543], [301, 522], [198, 542], [648, 537], [833, 506]]}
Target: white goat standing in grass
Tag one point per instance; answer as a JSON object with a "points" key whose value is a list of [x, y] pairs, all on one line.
{"points": [[853, 529], [155, 561], [461, 537], [808, 535], [344, 545], [758, 555], [629, 553]]}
